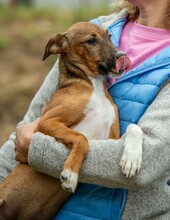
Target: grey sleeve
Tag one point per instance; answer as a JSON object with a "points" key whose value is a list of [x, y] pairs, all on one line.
{"points": [[101, 165], [7, 161]]}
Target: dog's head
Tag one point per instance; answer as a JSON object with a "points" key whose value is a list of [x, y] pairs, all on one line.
{"points": [[87, 47]]}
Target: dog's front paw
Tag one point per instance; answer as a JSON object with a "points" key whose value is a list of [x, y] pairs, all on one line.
{"points": [[131, 160], [69, 180]]}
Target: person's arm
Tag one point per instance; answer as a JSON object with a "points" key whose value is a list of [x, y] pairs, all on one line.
{"points": [[7, 154], [101, 165]]}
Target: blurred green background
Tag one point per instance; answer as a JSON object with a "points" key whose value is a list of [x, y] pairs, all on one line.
{"points": [[25, 28]]}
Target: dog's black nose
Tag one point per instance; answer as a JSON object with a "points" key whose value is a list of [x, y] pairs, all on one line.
{"points": [[119, 54]]}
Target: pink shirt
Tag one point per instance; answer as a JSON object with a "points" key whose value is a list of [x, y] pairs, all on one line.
{"points": [[141, 42]]}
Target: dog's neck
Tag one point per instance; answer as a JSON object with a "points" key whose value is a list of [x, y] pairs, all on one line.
{"points": [[70, 72]]}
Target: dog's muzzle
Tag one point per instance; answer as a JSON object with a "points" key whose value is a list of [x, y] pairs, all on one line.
{"points": [[115, 66]]}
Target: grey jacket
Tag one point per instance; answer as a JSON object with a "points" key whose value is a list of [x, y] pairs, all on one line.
{"points": [[148, 192]]}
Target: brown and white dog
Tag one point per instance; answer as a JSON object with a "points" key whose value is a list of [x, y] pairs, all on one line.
{"points": [[82, 109]]}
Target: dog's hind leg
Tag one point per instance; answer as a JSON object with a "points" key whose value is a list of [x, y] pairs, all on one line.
{"points": [[28, 194], [77, 143]]}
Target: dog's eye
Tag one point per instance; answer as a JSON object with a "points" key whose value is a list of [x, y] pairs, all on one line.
{"points": [[91, 41]]}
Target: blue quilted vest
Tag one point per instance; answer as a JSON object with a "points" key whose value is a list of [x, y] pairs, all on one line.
{"points": [[132, 93]]}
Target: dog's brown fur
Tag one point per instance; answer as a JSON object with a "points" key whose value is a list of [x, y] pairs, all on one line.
{"points": [[27, 193]]}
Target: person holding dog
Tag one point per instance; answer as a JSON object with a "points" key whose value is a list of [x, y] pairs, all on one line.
{"points": [[142, 31]]}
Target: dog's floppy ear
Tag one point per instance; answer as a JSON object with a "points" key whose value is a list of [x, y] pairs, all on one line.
{"points": [[55, 45]]}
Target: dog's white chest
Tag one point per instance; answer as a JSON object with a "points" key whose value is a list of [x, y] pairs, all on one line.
{"points": [[99, 113]]}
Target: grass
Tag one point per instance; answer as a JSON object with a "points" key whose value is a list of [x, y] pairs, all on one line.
{"points": [[3, 42], [34, 19], [56, 15]]}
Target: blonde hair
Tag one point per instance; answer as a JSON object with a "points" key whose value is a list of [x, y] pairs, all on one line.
{"points": [[133, 11]]}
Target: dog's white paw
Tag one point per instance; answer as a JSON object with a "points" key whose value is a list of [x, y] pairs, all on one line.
{"points": [[69, 180], [131, 160]]}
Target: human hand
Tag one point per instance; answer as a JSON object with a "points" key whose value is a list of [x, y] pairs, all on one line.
{"points": [[22, 141]]}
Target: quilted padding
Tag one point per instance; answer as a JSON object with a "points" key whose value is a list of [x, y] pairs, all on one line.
{"points": [[91, 202]]}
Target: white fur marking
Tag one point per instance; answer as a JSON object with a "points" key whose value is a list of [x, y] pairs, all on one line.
{"points": [[99, 112], [131, 160], [69, 180]]}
